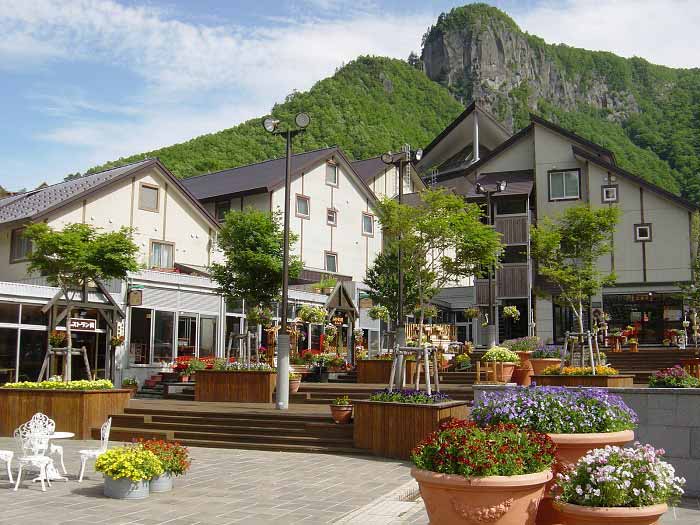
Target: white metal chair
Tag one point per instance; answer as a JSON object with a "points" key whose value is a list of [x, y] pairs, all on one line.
{"points": [[88, 454], [33, 440], [44, 421], [6, 456]]}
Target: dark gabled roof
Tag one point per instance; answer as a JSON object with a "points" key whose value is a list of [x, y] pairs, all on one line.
{"points": [[466, 169], [35, 204], [519, 182], [260, 177], [367, 169], [456, 122], [573, 136], [635, 178]]}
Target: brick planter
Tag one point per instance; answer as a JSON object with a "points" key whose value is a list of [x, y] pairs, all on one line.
{"points": [[619, 381], [379, 370], [242, 387], [74, 411], [392, 429]]}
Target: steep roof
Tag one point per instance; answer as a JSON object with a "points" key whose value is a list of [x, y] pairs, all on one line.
{"points": [[368, 168], [35, 204]]}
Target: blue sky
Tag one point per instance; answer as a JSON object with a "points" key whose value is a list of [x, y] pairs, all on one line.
{"points": [[86, 81]]}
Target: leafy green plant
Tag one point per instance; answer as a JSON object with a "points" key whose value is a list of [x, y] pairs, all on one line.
{"points": [[133, 462], [500, 354], [511, 312], [471, 313], [342, 401], [173, 457], [100, 384], [463, 361], [413, 397], [294, 376], [546, 352], [194, 365], [312, 314], [129, 382], [674, 377], [600, 370], [523, 344], [379, 312]]}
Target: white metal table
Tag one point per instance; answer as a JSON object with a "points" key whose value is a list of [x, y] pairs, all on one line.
{"points": [[51, 472]]}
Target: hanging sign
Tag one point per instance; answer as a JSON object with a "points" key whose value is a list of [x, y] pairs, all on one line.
{"points": [[83, 325], [338, 320], [135, 297]]}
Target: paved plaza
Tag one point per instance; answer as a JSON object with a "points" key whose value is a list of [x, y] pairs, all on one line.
{"points": [[243, 486]]}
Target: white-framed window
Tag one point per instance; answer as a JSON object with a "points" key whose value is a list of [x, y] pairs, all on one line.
{"points": [[162, 254], [642, 232], [20, 246], [331, 262], [148, 197], [332, 174], [332, 217], [368, 224], [564, 184], [303, 206], [609, 193]]}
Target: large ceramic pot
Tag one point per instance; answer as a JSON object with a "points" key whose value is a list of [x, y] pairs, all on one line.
{"points": [[523, 372], [124, 488], [341, 414], [162, 483], [578, 515], [294, 385], [500, 500], [508, 369], [538, 365]]}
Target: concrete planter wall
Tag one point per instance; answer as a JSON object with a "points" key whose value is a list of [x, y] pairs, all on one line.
{"points": [[669, 418]]}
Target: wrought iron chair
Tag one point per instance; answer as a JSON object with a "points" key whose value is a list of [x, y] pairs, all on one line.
{"points": [[43, 420], [88, 454], [33, 440], [6, 456]]}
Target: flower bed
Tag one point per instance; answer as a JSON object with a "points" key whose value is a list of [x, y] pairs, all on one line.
{"points": [[495, 474], [600, 370], [240, 383], [675, 377], [395, 423], [76, 406], [583, 376]]}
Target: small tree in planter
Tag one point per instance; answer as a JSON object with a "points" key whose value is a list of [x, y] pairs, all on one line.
{"points": [[464, 473], [612, 485], [76, 256]]}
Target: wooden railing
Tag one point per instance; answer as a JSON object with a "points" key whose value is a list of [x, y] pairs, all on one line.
{"points": [[512, 282], [513, 229]]}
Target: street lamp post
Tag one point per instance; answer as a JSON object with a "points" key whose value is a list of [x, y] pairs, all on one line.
{"points": [[271, 125], [491, 326], [400, 160]]}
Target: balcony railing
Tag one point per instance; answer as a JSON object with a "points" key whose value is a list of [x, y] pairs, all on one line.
{"points": [[512, 282], [514, 230]]}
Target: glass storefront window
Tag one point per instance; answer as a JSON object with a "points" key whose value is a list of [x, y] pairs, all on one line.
{"points": [[207, 336], [163, 335], [32, 314], [32, 351], [8, 354], [651, 314], [9, 313], [140, 337], [186, 335]]}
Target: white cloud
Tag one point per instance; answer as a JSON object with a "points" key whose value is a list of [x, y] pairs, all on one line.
{"points": [[661, 31]]}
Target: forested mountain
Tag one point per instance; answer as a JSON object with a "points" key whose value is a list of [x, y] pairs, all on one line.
{"points": [[649, 115], [370, 106]]}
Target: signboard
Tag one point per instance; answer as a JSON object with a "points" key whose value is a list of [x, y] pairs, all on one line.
{"points": [[135, 297], [83, 325], [338, 320]]}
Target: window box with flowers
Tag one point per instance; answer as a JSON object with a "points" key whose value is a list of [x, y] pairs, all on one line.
{"points": [[495, 474], [237, 382]]}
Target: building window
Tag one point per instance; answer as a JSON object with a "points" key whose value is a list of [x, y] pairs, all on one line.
{"points": [[511, 205], [207, 336], [302, 207], [140, 336], [163, 337], [331, 262], [221, 208], [148, 197], [332, 217], [161, 254], [514, 254], [20, 246], [368, 224], [332, 174], [642, 232], [564, 185], [609, 193]]}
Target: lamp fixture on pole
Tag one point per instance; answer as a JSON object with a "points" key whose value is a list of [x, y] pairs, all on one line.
{"points": [[482, 190], [272, 125]]}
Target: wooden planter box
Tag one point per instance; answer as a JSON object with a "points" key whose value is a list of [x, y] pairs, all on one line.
{"points": [[600, 381], [76, 411], [378, 371], [392, 430], [242, 387]]}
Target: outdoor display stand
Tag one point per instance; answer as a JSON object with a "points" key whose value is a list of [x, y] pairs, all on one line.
{"points": [[52, 353], [423, 355]]}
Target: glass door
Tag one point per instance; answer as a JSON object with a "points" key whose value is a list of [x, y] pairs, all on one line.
{"points": [[187, 335]]}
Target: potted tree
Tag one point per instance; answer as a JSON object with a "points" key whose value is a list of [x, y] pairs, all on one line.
{"points": [[618, 485], [473, 475], [508, 358], [127, 471], [341, 410], [294, 382], [173, 457]]}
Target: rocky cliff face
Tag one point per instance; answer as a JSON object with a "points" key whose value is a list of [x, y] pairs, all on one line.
{"points": [[489, 59]]}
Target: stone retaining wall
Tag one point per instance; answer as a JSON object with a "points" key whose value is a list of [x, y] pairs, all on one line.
{"points": [[669, 418]]}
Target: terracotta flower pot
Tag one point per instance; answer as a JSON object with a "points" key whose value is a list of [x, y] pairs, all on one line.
{"points": [[508, 369], [500, 500], [294, 385], [579, 515], [185, 379], [634, 347], [341, 414], [523, 372], [538, 365]]}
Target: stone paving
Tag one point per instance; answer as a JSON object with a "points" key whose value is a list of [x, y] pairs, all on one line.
{"points": [[224, 486]]}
